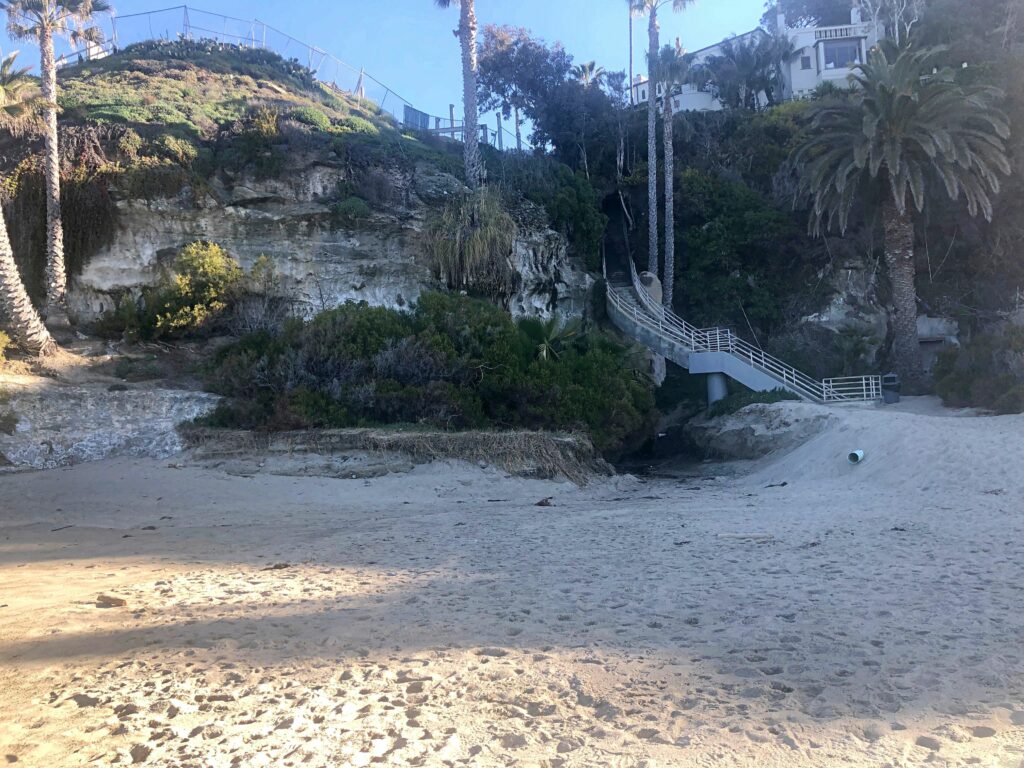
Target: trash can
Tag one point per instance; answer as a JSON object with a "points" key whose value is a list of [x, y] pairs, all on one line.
{"points": [[891, 386]]}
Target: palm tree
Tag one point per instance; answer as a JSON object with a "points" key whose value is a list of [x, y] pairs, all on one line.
{"points": [[467, 38], [588, 74], [671, 69], [16, 104], [907, 126], [41, 21], [550, 337], [651, 7], [748, 66]]}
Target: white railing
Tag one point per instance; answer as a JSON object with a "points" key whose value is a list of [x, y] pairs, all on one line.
{"points": [[842, 32], [671, 327]]}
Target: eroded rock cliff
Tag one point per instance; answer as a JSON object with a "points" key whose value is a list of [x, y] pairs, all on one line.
{"points": [[323, 259]]}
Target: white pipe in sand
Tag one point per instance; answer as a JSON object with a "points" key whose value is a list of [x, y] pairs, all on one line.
{"points": [[855, 457]]}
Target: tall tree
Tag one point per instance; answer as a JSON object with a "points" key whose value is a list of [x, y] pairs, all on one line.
{"points": [[807, 13], [588, 73], [906, 127], [749, 66], [671, 69], [651, 8], [17, 102], [42, 21], [467, 38]]}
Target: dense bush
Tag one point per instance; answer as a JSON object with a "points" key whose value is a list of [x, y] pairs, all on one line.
{"points": [[452, 362], [987, 372], [312, 117], [351, 211], [194, 298], [737, 254]]}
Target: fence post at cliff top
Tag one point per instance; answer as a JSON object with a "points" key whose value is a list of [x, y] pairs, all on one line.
{"points": [[501, 141]]}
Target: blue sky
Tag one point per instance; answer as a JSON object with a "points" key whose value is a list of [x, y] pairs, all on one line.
{"points": [[408, 44]]}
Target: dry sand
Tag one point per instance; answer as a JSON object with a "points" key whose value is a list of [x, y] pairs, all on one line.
{"points": [[855, 616]]}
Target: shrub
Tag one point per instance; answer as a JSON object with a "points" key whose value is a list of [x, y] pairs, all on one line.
{"points": [[739, 400], [987, 372], [351, 211], [204, 283], [255, 145], [452, 363], [130, 144], [313, 117], [262, 304], [470, 244], [355, 124], [180, 151]]}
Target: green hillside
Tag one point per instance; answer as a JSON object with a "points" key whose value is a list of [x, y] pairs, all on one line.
{"points": [[195, 88]]}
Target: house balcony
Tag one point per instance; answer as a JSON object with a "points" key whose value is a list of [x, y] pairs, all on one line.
{"points": [[846, 32]]}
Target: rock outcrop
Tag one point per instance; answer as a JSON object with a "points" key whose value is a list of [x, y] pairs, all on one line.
{"points": [[759, 430], [321, 259]]}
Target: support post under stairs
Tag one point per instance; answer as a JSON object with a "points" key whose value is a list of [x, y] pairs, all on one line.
{"points": [[718, 388]]}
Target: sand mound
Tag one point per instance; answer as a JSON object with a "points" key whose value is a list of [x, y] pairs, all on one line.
{"points": [[911, 448]]}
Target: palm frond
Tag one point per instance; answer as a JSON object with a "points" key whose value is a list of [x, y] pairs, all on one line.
{"points": [[908, 130]]}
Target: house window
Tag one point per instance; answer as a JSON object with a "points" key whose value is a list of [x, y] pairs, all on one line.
{"points": [[841, 54], [643, 95], [805, 62]]}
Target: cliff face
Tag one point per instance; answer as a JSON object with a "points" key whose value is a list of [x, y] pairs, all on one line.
{"points": [[322, 259]]}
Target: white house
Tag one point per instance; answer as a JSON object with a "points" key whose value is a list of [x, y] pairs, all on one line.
{"points": [[821, 54]]}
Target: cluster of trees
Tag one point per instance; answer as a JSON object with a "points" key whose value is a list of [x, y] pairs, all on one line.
{"points": [[913, 137], [40, 21]]}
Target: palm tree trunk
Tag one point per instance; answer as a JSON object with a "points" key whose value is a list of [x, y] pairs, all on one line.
{"points": [[652, 149], [899, 258], [668, 282], [56, 275], [467, 36], [632, 99], [24, 321]]}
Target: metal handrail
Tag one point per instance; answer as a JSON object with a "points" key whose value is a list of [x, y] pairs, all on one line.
{"points": [[670, 326]]}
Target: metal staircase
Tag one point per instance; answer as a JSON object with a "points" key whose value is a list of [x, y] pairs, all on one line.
{"points": [[718, 351]]}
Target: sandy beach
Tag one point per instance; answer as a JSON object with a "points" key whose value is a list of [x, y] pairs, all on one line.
{"points": [[793, 612]]}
